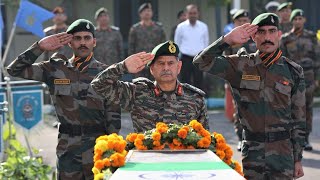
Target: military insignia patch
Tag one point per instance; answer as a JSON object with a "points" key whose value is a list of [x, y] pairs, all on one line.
{"points": [[88, 26], [251, 77], [272, 20], [62, 81], [172, 48]]}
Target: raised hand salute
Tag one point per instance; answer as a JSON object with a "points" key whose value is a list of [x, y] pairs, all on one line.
{"points": [[240, 34], [136, 62], [55, 41]]}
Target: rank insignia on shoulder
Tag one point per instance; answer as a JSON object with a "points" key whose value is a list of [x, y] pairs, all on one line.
{"points": [[61, 81], [251, 77]]}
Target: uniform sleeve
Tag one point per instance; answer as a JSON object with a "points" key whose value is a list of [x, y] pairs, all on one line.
{"points": [[132, 42], [24, 67], [203, 117], [211, 60], [299, 117], [108, 85], [113, 118]]}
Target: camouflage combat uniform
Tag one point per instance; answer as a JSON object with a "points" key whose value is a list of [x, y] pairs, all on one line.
{"points": [[302, 49], [109, 49], [83, 114], [147, 103], [285, 27], [250, 47], [65, 50], [145, 38], [271, 107]]}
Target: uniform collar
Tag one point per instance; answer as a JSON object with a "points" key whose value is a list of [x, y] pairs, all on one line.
{"points": [[178, 90], [92, 63]]}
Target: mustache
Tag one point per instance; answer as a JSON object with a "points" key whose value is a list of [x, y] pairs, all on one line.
{"points": [[165, 73], [83, 47], [267, 42]]}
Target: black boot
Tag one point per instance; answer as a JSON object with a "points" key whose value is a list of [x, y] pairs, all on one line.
{"points": [[307, 145]]}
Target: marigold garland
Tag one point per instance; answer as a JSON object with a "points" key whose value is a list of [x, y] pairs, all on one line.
{"points": [[109, 151]]}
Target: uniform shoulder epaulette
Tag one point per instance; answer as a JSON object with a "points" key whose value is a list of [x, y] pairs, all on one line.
{"points": [[158, 23], [58, 58], [193, 89], [296, 66], [310, 33], [115, 28], [143, 80], [48, 29]]}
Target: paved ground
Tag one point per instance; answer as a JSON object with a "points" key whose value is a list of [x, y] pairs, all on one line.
{"points": [[45, 138]]}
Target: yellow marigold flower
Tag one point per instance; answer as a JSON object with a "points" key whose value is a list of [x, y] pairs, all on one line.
{"points": [[124, 153], [182, 133], [99, 176], [156, 136], [102, 145], [95, 170], [99, 164], [160, 124], [104, 138], [193, 122]]}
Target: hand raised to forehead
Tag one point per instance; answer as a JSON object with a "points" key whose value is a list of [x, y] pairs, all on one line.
{"points": [[241, 34], [55, 41], [136, 62]]}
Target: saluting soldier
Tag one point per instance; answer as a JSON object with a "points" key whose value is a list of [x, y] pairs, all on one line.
{"points": [[109, 49], [83, 114], [301, 46], [270, 93], [163, 100], [284, 12], [145, 35]]}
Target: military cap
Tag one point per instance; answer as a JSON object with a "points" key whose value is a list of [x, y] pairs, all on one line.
{"points": [[272, 6], [144, 6], [81, 25], [266, 19], [167, 48], [295, 13], [284, 5], [240, 13], [100, 11], [58, 10]]}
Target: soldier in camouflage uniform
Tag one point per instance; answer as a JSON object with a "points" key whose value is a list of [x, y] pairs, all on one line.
{"points": [[284, 11], [145, 35], [239, 18], [164, 100], [59, 26], [83, 114], [109, 49], [301, 45], [270, 93]]}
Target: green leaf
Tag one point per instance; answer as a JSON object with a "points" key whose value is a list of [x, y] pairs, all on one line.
{"points": [[6, 131]]}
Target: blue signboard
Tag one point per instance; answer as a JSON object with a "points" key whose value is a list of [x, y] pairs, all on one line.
{"points": [[27, 105]]}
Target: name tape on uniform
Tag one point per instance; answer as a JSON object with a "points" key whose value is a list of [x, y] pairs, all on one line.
{"points": [[62, 81], [251, 77]]}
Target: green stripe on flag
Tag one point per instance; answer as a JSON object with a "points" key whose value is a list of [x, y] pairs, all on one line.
{"points": [[174, 166]]}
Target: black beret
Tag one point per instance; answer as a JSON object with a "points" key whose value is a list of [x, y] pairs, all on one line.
{"points": [[295, 13], [284, 5], [266, 19], [144, 6], [100, 11], [81, 25], [240, 13], [167, 48]]}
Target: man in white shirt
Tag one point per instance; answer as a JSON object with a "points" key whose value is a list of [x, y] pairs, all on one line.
{"points": [[191, 36]]}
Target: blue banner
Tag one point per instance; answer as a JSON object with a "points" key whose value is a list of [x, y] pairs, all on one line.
{"points": [[31, 16], [27, 107]]}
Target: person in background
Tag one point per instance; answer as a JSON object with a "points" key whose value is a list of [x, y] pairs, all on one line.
{"points": [[145, 35], [301, 46], [109, 49], [181, 16], [272, 6], [227, 28], [284, 12], [191, 36]]}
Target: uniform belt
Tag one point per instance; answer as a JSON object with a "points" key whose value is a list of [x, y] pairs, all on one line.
{"points": [[77, 130], [266, 137]]}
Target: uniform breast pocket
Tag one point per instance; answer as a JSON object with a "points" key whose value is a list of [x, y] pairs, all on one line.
{"points": [[186, 115], [282, 95], [249, 91], [62, 90]]}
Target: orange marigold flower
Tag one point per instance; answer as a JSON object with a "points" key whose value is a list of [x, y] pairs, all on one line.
{"points": [[156, 136], [156, 143], [198, 127], [131, 137], [96, 157], [138, 142], [106, 162], [220, 154], [99, 164], [185, 128], [176, 142], [205, 133], [182, 133], [227, 160], [206, 142], [140, 136], [190, 147], [200, 143]]}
